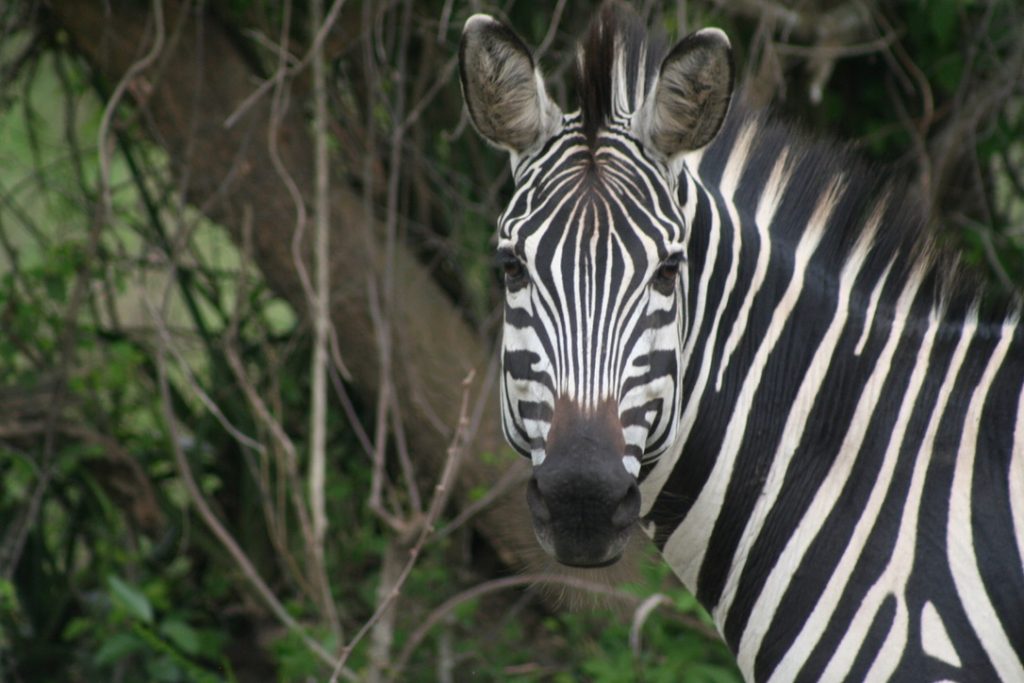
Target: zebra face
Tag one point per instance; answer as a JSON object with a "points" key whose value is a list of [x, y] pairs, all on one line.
{"points": [[592, 246]]}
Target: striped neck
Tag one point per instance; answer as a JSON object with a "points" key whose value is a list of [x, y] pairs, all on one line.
{"points": [[825, 349]]}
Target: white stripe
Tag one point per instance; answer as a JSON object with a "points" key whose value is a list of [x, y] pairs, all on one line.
{"points": [[766, 208], [796, 422], [655, 480], [893, 581], [692, 159], [552, 300], [869, 315], [963, 562], [686, 547], [577, 342], [1017, 479], [631, 464], [730, 182], [812, 521], [636, 168], [935, 640], [657, 477]]}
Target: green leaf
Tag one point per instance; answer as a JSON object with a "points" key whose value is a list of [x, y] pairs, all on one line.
{"points": [[8, 597], [942, 19], [117, 647], [131, 599], [164, 669], [78, 626], [184, 637], [712, 674], [948, 72]]}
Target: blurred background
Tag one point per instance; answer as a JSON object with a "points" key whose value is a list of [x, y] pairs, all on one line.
{"points": [[248, 316]]}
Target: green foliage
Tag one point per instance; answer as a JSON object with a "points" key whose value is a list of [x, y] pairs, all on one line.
{"points": [[139, 631], [672, 650]]}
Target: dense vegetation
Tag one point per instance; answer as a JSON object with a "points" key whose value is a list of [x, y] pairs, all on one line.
{"points": [[205, 476]]}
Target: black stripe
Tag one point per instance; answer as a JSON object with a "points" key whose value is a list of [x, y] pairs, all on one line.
{"points": [[873, 641], [825, 551], [843, 385], [995, 546]]}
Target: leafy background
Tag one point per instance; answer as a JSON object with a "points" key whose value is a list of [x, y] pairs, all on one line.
{"points": [[150, 364]]}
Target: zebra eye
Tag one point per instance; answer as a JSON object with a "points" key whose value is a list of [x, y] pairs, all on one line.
{"points": [[514, 270], [667, 273], [512, 267]]}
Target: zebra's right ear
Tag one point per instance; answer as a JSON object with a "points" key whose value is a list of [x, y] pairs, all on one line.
{"points": [[503, 90]]}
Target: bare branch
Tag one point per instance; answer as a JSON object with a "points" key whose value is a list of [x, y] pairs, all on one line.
{"points": [[221, 532], [640, 615], [442, 492], [321, 322], [115, 99], [281, 74]]}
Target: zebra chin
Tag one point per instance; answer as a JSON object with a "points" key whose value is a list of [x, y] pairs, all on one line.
{"points": [[583, 499]]}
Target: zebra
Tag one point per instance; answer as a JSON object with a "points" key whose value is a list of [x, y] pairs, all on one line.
{"points": [[745, 344]]}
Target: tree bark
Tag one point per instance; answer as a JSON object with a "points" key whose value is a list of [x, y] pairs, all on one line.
{"points": [[200, 79]]}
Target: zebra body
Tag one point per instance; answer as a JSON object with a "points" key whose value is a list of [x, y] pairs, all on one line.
{"points": [[736, 340]]}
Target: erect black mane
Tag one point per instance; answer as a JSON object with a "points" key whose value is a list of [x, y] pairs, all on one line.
{"points": [[616, 33], [906, 240]]}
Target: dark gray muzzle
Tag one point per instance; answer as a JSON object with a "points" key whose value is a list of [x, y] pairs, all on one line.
{"points": [[583, 501]]}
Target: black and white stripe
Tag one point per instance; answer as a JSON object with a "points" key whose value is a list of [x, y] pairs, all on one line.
{"points": [[601, 332], [825, 421], [844, 494]]}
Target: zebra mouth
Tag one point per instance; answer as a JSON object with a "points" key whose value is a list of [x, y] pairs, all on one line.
{"points": [[586, 530], [597, 565]]}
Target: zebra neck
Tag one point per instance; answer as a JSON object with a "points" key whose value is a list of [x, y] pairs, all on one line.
{"points": [[821, 375]]}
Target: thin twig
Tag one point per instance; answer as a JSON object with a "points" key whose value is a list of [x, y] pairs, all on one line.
{"points": [[510, 480], [382, 635], [237, 434], [273, 503], [549, 37], [321, 321], [826, 51], [70, 328], [281, 74], [106, 203], [350, 412], [279, 107], [438, 502], [223, 535], [640, 615]]}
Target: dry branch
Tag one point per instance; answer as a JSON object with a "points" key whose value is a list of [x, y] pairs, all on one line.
{"points": [[230, 174]]}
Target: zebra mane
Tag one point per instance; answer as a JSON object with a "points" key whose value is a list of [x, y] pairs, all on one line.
{"points": [[616, 67], [906, 241]]}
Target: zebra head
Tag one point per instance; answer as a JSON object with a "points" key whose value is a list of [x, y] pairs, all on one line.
{"points": [[593, 247]]}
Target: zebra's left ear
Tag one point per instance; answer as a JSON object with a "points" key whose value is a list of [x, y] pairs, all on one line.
{"points": [[691, 97]]}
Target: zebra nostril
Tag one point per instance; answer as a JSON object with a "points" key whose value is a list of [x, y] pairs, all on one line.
{"points": [[628, 509], [535, 500]]}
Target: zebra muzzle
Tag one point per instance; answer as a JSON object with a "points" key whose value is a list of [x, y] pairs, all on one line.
{"points": [[583, 501]]}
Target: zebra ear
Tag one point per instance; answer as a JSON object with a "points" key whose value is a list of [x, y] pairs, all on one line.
{"points": [[503, 90], [692, 95]]}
